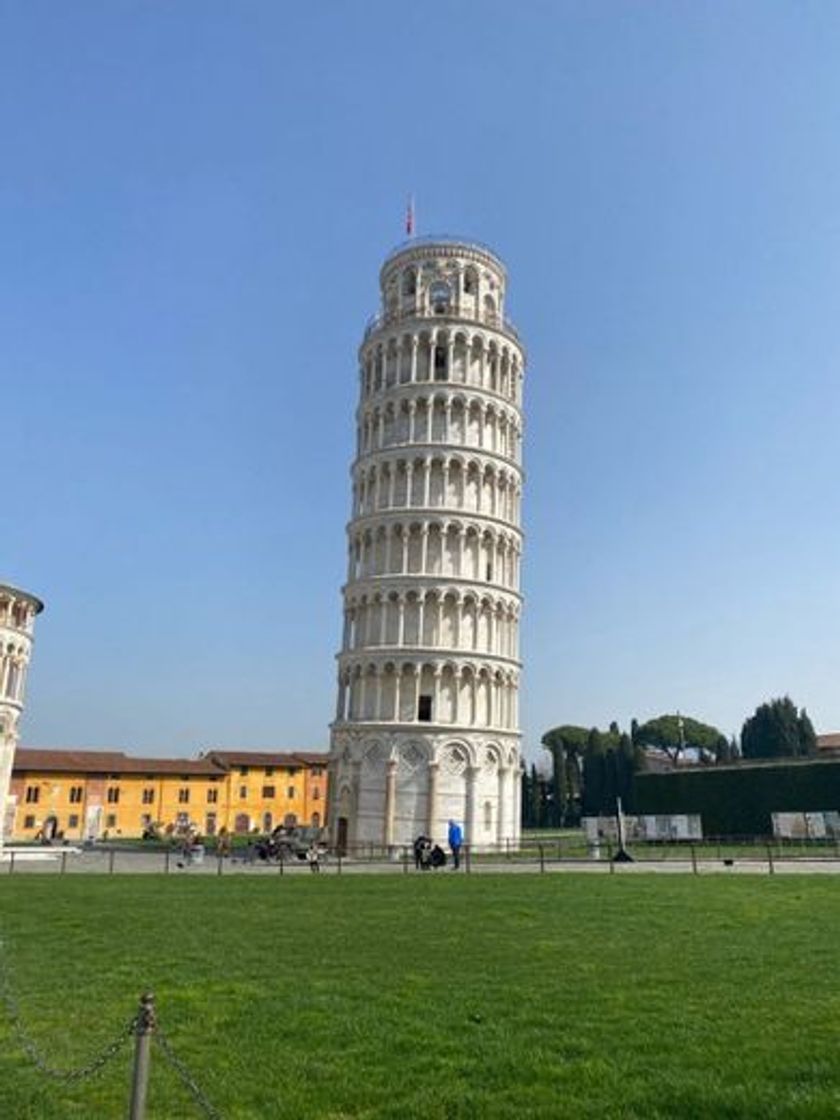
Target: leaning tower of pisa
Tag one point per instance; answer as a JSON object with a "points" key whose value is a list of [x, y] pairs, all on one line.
{"points": [[427, 719], [17, 621]]}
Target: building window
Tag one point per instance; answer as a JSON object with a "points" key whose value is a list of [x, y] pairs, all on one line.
{"points": [[290, 792], [315, 820], [441, 373], [111, 820], [32, 795], [424, 708], [316, 771], [212, 796], [29, 822], [440, 297], [148, 796], [210, 824], [113, 795], [292, 771], [183, 796], [268, 791], [269, 771], [316, 794], [76, 793], [243, 770], [243, 792], [73, 820]]}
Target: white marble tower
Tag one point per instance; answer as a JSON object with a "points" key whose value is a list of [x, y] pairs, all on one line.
{"points": [[17, 623], [427, 719]]}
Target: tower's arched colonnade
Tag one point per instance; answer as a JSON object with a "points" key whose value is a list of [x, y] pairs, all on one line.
{"points": [[427, 714]]}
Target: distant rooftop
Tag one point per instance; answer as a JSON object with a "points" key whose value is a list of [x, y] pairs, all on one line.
{"points": [[29, 759], [266, 758]]}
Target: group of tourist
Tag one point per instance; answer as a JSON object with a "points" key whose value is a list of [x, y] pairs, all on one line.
{"points": [[429, 856]]}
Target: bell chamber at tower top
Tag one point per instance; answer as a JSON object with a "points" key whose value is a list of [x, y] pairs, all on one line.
{"points": [[442, 320], [439, 277]]}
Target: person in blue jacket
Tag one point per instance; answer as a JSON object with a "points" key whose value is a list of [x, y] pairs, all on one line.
{"points": [[456, 839]]}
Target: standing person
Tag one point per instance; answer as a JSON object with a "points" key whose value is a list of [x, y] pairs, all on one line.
{"points": [[456, 839], [313, 856]]}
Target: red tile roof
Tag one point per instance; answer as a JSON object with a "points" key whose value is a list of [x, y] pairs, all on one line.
{"points": [[266, 758], [28, 759], [105, 762]]}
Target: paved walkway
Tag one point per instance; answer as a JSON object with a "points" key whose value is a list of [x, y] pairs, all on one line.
{"points": [[58, 861]]}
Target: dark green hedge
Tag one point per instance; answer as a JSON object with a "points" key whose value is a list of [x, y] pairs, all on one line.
{"points": [[738, 800]]}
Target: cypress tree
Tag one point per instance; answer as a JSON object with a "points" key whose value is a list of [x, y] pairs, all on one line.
{"points": [[778, 730]]}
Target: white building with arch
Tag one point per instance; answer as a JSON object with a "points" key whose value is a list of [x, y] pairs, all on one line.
{"points": [[17, 623], [427, 718]]}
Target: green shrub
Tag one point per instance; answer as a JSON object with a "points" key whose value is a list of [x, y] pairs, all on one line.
{"points": [[738, 800]]}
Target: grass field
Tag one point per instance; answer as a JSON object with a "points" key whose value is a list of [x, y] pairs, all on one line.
{"points": [[434, 997]]}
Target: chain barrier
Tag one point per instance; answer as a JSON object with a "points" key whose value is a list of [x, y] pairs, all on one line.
{"points": [[184, 1074], [32, 1050], [130, 1030]]}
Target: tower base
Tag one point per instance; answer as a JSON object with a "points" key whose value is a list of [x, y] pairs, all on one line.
{"points": [[390, 785]]}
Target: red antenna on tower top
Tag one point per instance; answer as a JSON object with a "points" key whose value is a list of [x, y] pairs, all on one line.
{"points": [[409, 217]]}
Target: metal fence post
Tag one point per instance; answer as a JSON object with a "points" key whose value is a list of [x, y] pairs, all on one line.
{"points": [[166, 861], [339, 861], [142, 1054], [770, 867], [63, 862], [542, 860], [282, 864], [219, 864], [693, 859], [468, 859], [111, 855], [405, 860], [11, 863]]}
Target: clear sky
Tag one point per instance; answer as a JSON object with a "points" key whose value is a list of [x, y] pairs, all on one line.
{"points": [[195, 199]]}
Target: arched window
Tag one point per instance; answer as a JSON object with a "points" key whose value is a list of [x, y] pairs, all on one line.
{"points": [[440, 297], [409, 282], [441, 372], [470, 282]]}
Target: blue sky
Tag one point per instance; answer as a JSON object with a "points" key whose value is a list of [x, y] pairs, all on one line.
{"points": [[194, 202]]}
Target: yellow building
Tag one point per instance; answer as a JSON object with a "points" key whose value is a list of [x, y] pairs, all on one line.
{"points": [[93, 794], [270, 789]]}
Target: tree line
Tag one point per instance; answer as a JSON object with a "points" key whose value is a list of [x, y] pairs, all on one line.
{"points": [[592, 769]]}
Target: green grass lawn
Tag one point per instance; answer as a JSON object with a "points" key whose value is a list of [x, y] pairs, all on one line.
{"points": [[434, 997]]}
